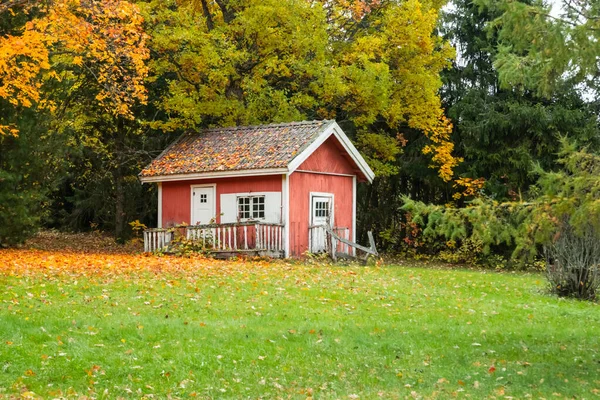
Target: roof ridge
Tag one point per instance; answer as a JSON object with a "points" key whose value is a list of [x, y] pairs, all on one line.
{"points": [[271, 125]]}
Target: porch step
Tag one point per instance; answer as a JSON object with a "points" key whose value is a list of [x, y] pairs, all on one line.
{"points": [[226, 254]]}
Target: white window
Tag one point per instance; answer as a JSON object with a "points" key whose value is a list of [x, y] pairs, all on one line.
{"points": [[251, 207], [322, 209], [234, 209]]}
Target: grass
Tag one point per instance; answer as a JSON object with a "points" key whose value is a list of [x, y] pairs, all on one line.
{"points": [[106, 326]]}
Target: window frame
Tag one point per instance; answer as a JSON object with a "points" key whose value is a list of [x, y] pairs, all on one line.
{"points": [[254, 215]]}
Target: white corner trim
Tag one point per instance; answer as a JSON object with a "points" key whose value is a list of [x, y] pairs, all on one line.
{"points": [[334, 129], [160, 206], [354, 214], [213, 175], [214, 188], [285, 201]]}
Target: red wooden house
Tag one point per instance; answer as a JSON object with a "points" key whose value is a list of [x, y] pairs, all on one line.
{"points": [[280, 182]]}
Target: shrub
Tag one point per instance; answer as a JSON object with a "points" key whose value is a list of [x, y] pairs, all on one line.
{"points": [[573, 262], [560, 220]]}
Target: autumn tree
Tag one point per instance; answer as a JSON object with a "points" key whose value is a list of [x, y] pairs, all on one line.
{"points": [[62, 39], [364, 63], [53, 54], [514, 137]]}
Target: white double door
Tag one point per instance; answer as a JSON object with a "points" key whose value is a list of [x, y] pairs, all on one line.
{"points": [[321, 213], [203, 205]]}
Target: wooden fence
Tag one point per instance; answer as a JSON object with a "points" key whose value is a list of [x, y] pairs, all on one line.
{"points": [[336, 241], [240, 237]]}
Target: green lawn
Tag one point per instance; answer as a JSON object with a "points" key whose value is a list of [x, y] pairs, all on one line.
{"points": [[249, 330]]}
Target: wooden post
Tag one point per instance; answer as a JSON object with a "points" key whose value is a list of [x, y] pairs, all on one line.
{"points": [[235, 232], [257, 238], [281, 231], [371, 241], [333, 247]]}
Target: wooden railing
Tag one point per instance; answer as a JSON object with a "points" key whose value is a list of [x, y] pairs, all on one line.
{"points": [[157, 239], [320, 241], [341, 247], [336, 242], [228, 237]]}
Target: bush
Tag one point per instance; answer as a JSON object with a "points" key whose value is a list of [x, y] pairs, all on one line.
{"points": [[559, 221], [19, 209], [573, 263]]}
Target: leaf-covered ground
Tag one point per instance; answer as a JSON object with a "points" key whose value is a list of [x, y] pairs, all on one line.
{"points": [[117, 325]]}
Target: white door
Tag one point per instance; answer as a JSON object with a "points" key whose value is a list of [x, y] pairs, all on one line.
{"points": [[321, 211], [203, 205]]}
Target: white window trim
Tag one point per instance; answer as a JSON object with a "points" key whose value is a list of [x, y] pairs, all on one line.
{"points": [[253, 195], [214, 211]]}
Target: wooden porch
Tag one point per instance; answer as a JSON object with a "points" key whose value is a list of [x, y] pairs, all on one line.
{"points": [[220, 240], [254, 239]]}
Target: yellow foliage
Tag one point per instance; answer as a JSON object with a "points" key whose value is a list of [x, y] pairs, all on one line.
{"points": [[471, 187], [104, 39]]}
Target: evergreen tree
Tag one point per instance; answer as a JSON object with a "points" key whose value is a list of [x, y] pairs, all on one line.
{"points": [[502, 131]]}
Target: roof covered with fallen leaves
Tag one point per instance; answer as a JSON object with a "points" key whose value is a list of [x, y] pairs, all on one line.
{"points": [[236, 148]]}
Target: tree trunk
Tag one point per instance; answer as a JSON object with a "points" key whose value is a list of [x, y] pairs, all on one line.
{"points": [[209, 20], [119, 207], [119, 180]]}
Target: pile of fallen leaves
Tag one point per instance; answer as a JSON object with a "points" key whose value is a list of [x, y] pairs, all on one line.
{"points": [[92, 242], [54, 254], [21, 262]]}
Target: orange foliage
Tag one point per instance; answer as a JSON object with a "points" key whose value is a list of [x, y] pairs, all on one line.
{"points": [[104, 39], [471, 187], [65, 264], [357, 8], [77, 264]]}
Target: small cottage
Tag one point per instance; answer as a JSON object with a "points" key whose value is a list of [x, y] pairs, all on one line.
{"points": [[273, 187]]}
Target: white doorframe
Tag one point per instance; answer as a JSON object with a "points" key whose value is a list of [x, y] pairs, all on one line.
{"points": [[214, 188], [310, 212]]}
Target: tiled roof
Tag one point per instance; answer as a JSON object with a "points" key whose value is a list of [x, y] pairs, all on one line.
{"points": [[236, 148]]}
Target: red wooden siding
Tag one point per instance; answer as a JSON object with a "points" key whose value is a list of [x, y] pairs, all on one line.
{"points": [[301, 185], [177, 202], [328, 158]]}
